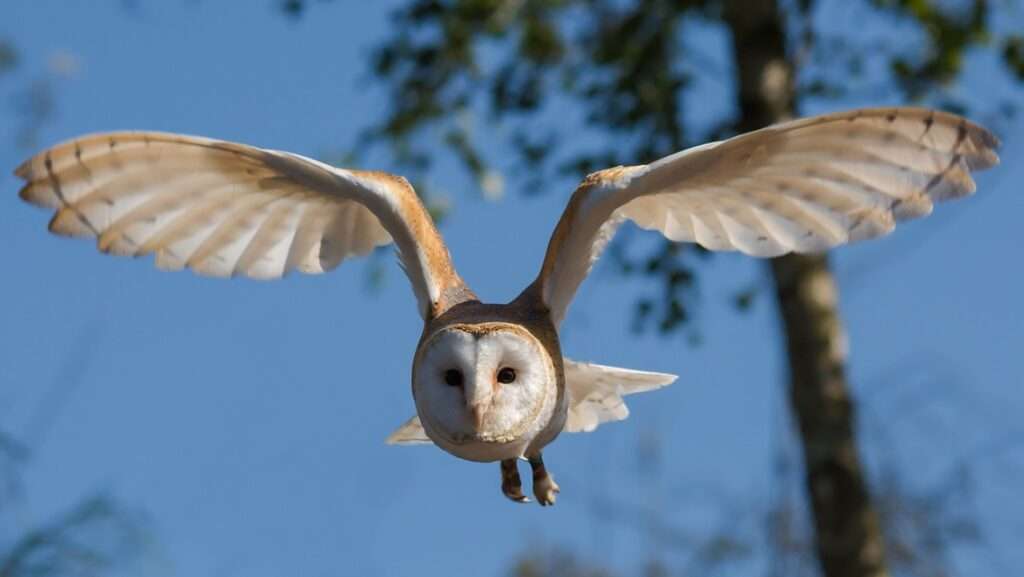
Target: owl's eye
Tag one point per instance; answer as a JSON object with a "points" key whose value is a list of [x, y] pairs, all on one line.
{"points": [[506, 375], [453, 377]]}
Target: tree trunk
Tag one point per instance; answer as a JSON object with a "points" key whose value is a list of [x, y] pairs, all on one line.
{"points": [[847, 532]]}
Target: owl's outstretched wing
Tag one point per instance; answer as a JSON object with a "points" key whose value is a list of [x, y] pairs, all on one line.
{"points": [[800, 186], [410, 433], [596, 391], [226, 209]]}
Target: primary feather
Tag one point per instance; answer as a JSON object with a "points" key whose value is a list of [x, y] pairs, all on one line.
{"points": [[227, 209], [801, 186]]}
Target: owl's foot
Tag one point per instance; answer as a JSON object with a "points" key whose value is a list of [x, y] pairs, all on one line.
{"points": [[511, 484], [544, 486]]}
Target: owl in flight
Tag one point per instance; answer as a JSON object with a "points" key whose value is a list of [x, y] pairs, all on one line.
{"points": [[489, 380]]}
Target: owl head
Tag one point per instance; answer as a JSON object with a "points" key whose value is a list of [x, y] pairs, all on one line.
{"points": [[482, 388]]}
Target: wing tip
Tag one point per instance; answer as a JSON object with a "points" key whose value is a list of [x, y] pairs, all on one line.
{"points": [[397, 440], [986, 143], [985, 136], [67, 222], [24, 170], [37, 194], [659, 379]]}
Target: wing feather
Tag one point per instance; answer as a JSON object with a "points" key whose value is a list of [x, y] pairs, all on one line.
{"points": [[409, 433], [802, 186], [226, 209], [596, 391]]}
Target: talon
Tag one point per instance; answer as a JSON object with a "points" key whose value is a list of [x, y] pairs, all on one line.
{"points": [[546, 491], [511, 484], [515, 494], [544, 486]]}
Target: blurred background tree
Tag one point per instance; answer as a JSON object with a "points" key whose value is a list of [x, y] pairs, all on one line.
{"points": [[628, 70], [93, 536]]}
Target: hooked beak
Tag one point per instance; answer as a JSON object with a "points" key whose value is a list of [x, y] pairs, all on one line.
{"points": [[478, 411]]}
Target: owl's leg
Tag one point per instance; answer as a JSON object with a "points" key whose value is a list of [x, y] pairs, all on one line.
{"points": [[511, 484], [544, 486]]}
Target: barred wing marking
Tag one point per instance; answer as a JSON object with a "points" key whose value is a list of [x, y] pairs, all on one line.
{"points": [[801, 186], [226, 209]]}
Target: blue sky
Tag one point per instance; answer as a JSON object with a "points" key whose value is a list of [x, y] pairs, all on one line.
{"points": [[248, 418]]}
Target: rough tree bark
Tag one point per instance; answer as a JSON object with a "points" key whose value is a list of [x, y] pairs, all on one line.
{"points": [[849, 541]]}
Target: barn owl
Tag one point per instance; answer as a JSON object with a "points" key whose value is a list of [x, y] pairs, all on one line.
{"points": [[489, 381]]}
